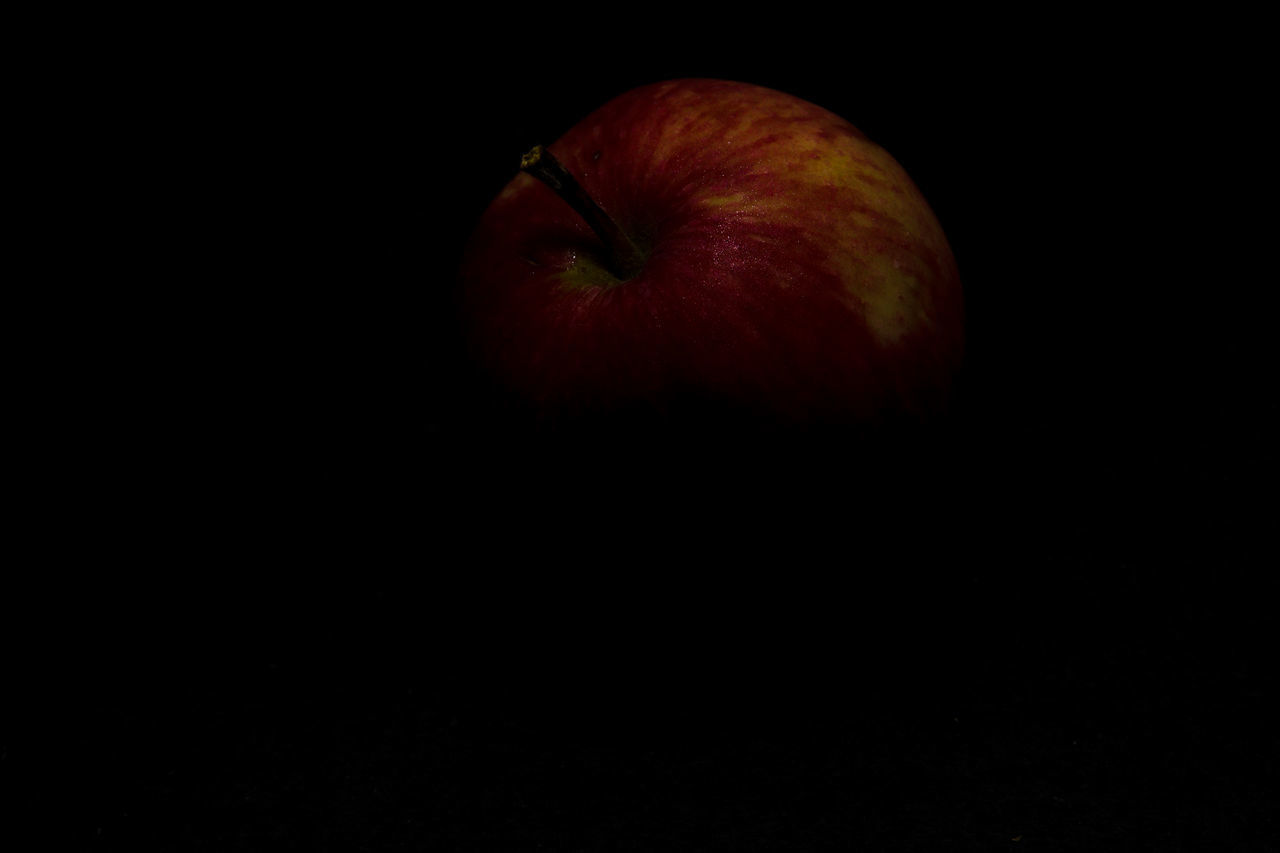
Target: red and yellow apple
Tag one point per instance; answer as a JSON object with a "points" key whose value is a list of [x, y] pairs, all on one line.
{"points": [[704, 245]]}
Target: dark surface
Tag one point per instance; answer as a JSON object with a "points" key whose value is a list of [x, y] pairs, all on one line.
{"points": [[293, 603]]}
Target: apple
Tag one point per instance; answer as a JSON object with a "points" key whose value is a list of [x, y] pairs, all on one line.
{"points": [[703, 251]]}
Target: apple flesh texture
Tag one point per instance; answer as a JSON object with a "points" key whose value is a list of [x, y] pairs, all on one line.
{"points": [[794, 274]]}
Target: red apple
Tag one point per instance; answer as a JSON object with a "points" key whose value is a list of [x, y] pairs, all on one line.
{"points": [[724, 248]]}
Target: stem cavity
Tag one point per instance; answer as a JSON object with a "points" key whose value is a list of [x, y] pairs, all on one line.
{"points": [[624, 257]]}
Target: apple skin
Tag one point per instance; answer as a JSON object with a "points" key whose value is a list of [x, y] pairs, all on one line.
{"points": [[795, 275]]}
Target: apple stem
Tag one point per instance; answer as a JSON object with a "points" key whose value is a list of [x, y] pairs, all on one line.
{"points": [[625, 258]]}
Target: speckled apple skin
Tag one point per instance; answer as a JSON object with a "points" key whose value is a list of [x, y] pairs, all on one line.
{"points": [[795, 272]]}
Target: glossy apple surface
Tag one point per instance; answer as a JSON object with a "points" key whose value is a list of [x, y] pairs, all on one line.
{"points": [[793, 273]]}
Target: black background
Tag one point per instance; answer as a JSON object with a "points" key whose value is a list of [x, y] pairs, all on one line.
{"points": [[297, 603]]}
